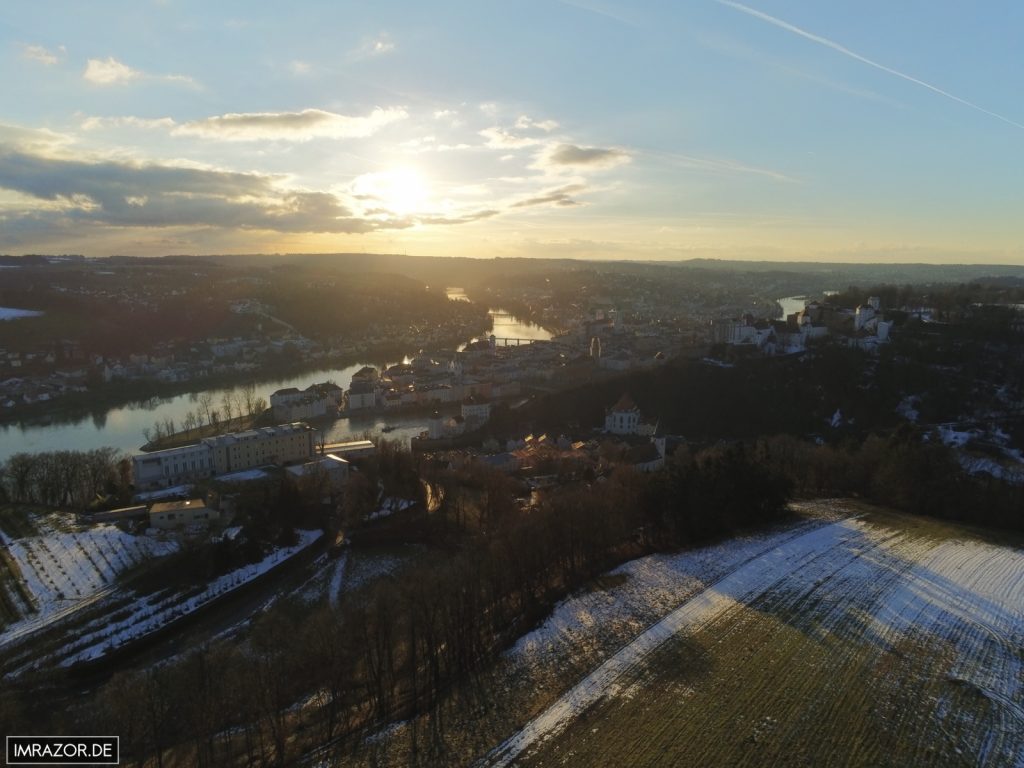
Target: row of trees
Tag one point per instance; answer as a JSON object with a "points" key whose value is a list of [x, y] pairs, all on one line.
{"points": [[240, 403], [910, 470], [65, 478]]}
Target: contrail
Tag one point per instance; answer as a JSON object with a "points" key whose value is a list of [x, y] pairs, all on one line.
{"points": [[847, 52]]}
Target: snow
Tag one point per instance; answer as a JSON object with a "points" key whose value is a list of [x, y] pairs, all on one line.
{"points": [[953, 437], [365, 569], [962, 591], [907, 410], [65, 571], [9, 313], [242, 476], [337, 579], [163, 493], [149, 613], [389, 506]]}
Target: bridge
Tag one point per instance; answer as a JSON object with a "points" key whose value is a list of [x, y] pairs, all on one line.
{"points": [[506, 341]]}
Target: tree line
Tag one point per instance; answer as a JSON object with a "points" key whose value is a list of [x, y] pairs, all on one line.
{"points": [[65, 478]]}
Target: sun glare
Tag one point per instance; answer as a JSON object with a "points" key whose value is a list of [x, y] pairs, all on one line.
{"points": [[401, 191]]}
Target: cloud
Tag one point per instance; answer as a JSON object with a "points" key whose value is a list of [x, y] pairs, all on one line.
{"points": [[525, 123], [465, 218], [572, 156], [499, 138], [381, 45], [41, 141], [299, 68], [123, 194], [109, 71], [94, 123], [62, 195], [450, 116], [290, 126], [561, 197], [602, 9], [863, 59], [40, 54], [718, 165]]}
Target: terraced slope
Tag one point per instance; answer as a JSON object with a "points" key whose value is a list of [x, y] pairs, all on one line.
{"points": [[878, 640]]}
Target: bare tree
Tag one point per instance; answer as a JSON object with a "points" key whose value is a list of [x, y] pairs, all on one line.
{"points": [[248, 396], [227, 404], [206, 404]]}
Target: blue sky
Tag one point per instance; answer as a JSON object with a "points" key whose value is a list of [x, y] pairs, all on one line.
{"points": [[775, 129]]}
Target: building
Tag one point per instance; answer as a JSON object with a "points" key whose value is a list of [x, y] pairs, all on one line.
{"points": [[356, 449], [331, 469], [181, 514], [256, 447], [315, 402], [225, 453], [172, 466], [624, 418], [476, 412]]}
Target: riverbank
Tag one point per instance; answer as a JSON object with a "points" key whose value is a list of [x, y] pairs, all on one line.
{"points": [[190, 436]]}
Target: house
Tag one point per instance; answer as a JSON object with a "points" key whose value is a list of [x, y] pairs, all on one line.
{"points": [[172, 515], [316, 401], [624, 418], [475, 412], [362, 394]]}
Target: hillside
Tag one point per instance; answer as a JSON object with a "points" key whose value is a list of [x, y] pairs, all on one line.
{"points": [[871, 640]]}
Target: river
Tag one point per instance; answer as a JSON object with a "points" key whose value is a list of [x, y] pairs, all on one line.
{"points": [[122, 427]]}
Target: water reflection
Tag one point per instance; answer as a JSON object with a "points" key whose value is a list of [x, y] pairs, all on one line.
{"points": [[122, 427]]}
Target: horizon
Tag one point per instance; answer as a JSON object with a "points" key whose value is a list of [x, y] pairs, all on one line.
{"points": [[580, 129], [580, 259]]}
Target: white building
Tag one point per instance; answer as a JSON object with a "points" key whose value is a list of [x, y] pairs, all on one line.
{"points": [[173, 466], [221, 455], [181, 514], [475, 412], [624, 418]]}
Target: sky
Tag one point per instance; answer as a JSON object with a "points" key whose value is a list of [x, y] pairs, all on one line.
{"points": [[846, 130]]}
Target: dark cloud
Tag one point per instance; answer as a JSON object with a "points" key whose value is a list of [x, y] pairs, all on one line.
{"points": [[150, 195], [594, 157], [295, 126], [561, 197], [464, 219]]}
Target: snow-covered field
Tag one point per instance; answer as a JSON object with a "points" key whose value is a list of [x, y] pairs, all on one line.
{"points": [[64, 570], [893, 639], [150, 613]]}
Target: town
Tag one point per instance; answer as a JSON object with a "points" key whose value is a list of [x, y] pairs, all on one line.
{"points": [[568, 434]]}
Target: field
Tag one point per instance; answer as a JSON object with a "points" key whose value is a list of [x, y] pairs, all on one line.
{"points": [[51, 567], [869, 640]]}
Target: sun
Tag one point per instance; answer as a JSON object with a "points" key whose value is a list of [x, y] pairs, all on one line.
{"points": [[400, 191]]}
